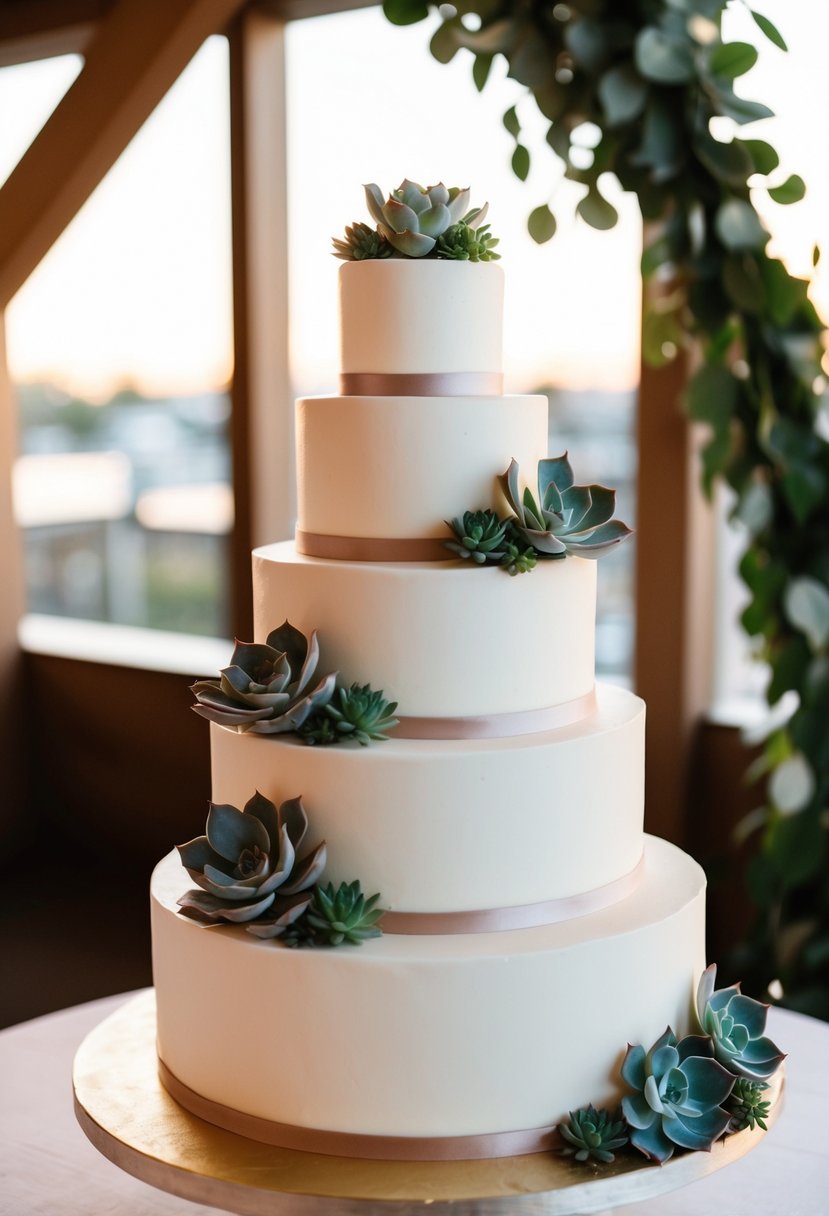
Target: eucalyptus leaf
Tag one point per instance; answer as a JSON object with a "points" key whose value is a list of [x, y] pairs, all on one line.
{"points": [[481, 69], [662, 57], [596, 211], [739, 108], [405, 12], [738, 226], [807, 606], [511, 123], [792, 785], [521, 162], [541, 224], [764, 158], [791, 191], [732, 59], [444, 44], [771, 31], [623, 94]]}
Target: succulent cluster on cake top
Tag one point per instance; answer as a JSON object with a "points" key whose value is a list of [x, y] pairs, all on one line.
{"points": [[419, 222]]}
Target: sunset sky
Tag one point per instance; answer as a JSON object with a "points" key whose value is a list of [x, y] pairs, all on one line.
{"points": [[138, 289]]}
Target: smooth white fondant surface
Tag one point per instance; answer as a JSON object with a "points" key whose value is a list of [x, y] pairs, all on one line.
{"points": [[400, 466], [400, 315], [443, 827], [434, 1036], [441, 639]]}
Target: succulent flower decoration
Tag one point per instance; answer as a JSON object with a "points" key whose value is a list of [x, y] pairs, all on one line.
{"points": [[462, 243], [747, 1106], [266, 689], [736, 1023], [592, 1134], [359, 713], [678, 1092], [566, 519], [479, 535], [361, 242], [413, 217], [248, 866], [336, 917]]}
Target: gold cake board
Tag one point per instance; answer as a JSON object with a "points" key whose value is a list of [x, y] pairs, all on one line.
{"points": [[130, 1118]]}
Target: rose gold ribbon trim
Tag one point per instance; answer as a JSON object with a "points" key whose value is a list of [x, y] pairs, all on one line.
{"points": [[371, 548], [524, 916], [347, 1144], [498, 726], [421, 384]]}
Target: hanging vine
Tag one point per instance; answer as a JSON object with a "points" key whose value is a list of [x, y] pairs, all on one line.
{"points": [[650, 76]]}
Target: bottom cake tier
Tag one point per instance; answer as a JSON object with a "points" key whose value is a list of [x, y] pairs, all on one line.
{"points": [[423, 1037]]}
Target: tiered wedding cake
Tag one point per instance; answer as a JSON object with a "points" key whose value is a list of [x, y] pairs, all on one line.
{"points": [[533, 930]]}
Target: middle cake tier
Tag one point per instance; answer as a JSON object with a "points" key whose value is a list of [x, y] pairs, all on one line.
{"points": [[444, 640], [448, 827]]}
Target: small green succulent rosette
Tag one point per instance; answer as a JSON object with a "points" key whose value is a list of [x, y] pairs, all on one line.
{"points": [[736, 1024], [359, 713], [566, 519], [593, 1135], [678, 1093], [248, 867], [267, 689]]}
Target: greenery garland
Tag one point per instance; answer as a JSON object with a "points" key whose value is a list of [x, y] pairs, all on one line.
{"points": [[650, 75]]}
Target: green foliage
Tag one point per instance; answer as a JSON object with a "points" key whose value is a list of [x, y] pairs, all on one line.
{"points": [[336, 917], [420, 222], [747, 1106], [359, 713], [462, 243], [361, 242], [651, 75], [593, 1134], [479, 537]]}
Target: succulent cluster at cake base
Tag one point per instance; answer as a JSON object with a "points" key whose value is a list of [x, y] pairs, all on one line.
{"points": [[267, 690], [565, 520], [686, 1093], [419, 222], [249, 870]]}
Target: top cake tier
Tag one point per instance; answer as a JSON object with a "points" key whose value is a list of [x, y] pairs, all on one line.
{"points": [[437, 320]]}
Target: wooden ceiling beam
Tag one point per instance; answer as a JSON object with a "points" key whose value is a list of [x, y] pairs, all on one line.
{"points": [[138, 51], [39, 29]]}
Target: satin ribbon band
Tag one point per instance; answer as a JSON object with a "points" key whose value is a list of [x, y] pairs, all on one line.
{"points": [[524, 916], [347, 1144], [498, 726], [421, 384], [372, 548]]}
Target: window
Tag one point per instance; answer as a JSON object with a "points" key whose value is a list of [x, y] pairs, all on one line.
{"points": [[120, 348]]}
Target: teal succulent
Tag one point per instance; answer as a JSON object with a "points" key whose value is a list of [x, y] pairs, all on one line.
{"points": [[336, 917], [479, 535], [462, 243], [248, 866], [413, 217], [519, 559], [361, 242], [566, 518], [593, 1134], [359, 713], [747, 1106], [736, 1023], [267, 687], [678, 1094]]}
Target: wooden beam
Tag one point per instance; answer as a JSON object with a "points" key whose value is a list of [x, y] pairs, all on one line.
{"points": [[262, 415], [13, 712], [674, 595], [39, 29], [298, 10], [137, 53]]}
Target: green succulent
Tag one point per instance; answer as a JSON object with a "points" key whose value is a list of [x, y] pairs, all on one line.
{"points": [[736, 1023], [463, 243], [518, 559], [566, 519], [359, 712], [248, 867], [266, 688], [337, 917], [678, 1091], [593, 1134], [413, 217], [361, 242], [747, 1106], [479, 535]]}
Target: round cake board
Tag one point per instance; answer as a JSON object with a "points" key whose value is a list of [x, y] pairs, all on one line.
{"points": [[129, 1117]]}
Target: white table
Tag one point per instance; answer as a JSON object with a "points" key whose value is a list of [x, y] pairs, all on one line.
{"points": [[48, 1168]]}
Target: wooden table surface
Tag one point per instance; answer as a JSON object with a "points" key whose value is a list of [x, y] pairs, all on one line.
{"points": [[48, 1168]]}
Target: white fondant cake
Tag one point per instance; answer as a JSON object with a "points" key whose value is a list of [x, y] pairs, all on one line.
{"points": [[454, 1023]]}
